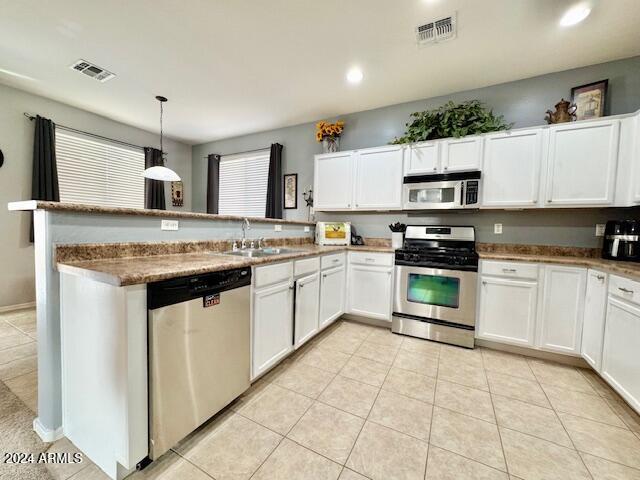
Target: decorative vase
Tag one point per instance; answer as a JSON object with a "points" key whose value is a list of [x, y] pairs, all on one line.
{"points": [[330, 144], [397, 239]]}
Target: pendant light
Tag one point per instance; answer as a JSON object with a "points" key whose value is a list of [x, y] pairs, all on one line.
{"points": [[160, 172]]}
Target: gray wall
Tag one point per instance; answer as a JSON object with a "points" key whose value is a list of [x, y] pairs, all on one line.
{"points": [[523, 102], [16, 141]]}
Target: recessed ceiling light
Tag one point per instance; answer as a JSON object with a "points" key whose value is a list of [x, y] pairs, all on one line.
{"points": [[355, 75], [575, 15]]}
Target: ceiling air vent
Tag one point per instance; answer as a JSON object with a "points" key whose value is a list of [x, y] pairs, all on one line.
{"points": [[93, 71], [436, 30]]}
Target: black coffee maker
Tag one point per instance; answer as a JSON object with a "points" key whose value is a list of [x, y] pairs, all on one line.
{"points": [[622, 240]]}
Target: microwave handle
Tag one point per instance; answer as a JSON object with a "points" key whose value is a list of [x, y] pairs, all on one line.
{"points": [[463, 203]]}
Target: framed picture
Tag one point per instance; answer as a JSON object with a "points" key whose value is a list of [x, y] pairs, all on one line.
{"points": [[590, 99], [291, 191], [177, 194]]}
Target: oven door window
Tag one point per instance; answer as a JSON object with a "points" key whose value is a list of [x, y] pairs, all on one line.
{"points": [[434, 290], [432, 195]]}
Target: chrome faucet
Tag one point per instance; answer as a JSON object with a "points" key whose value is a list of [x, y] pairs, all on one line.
{"points": [[245, 226]]}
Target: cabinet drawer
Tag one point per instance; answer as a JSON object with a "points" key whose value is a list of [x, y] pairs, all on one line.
{"points": [[366, 258], [624, 288], [329, 261], [306, 266], [510, 269], [271, 274]]}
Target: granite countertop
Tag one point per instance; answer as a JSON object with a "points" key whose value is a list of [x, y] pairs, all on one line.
{"points": [[152, 268]]}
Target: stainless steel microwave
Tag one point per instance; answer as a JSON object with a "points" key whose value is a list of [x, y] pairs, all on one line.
{"points": [[444, 191]]}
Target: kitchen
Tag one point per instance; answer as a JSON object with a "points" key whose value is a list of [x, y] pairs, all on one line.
{"points": [[495, 335]]}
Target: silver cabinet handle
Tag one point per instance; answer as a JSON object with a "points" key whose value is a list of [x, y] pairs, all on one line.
{"points": [[301, 285], [335, 260], [324, 275], [509, 270], [291, 287], [625, 290], [446, 167], [369, 259], [435, 169], [484, 282], [600, 277]]}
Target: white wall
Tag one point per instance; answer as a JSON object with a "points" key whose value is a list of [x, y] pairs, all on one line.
{"points": [[16, 142]]}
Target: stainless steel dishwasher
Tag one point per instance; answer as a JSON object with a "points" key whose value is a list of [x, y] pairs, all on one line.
{"points": [[199, 351]]}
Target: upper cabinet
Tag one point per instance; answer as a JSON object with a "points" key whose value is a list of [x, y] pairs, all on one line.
{"points": [[581, 163], [333, 189], [461, 154], [511, 169], [422, 158], [378, 176]]}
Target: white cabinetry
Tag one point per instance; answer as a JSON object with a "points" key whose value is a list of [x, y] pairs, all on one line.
{"points": [[508, 310], [332, 288], [560, 325], [272, 326], [333, 181], [620, 366], [422, 158], [378, 176], [370, 277], [461, 154], [594, 314], [511, 169], [307, 308], [581, 163]]}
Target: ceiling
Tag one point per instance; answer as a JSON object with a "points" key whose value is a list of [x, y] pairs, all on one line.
{"points": [[231, 67]]}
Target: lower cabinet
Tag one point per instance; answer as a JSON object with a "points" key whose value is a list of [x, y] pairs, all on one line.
{"points": [[594, 318], [369, 291], [272, 326], [307, 303], [332, 288], [560, 325], [620, 365], [508, 310]]}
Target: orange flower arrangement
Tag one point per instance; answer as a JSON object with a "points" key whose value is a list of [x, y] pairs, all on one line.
{"points": [[326, 129]]}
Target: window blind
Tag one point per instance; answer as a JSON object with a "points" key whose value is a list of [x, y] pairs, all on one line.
{"points": [[243, 184], [99, 172]]}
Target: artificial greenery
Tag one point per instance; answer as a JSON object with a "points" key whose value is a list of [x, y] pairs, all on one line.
{"points": [[452, 120]]}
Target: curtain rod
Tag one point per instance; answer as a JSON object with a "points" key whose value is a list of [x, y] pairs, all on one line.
{"points": [[75, 130], [246, 151]]}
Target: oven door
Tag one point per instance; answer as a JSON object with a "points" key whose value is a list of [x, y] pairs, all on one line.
{"points": [[441, 294], [432, 195]]}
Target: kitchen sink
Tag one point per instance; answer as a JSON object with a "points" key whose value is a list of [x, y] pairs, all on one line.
{"points": [[260, 252]]}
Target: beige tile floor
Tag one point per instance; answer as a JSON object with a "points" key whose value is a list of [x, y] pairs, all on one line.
{"points": [[359, 402]]}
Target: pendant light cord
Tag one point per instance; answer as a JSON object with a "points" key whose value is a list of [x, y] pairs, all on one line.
{"points": [[161, 133]]}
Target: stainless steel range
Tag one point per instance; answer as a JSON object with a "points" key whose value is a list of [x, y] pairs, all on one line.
{"points": [[436, 284]]}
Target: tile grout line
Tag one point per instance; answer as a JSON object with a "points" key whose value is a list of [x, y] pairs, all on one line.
{"points": [[433, 410]]}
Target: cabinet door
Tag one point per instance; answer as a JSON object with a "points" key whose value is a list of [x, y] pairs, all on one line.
{"points": [[562, 309], [306, 312], [594, 313], [369, 291], [272, 326], [332, 287], [422, 158], [379, 178], [582, 163], [508, 310], [461, 154], [511, 169], [620, 366], [333, 180]]}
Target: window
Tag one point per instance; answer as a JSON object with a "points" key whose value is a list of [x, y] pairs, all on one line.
{"points": [[99, 172], [243, 184]]}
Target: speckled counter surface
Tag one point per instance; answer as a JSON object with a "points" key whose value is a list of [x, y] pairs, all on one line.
{"points": [[124, 271]]}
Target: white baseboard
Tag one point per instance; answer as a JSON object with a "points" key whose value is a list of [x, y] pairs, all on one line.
{"points": [[45, 434], [20, 306]]}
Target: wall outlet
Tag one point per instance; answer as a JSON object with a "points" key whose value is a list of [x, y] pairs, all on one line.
{"points": [[169, 225], [307, 229], [497, 228], [600, 229], [277, 228]]}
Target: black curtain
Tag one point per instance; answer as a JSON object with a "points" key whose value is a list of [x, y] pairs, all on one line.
{"points": [[213, 183], [44, 181], [274, 184], [153, 189]]}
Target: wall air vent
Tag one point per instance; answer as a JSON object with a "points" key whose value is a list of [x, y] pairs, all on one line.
{"points": [[436, 31], [91, 70]]}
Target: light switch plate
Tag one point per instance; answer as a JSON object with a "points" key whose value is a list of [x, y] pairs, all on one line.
{"points": [[277, 228], [497, 228], [600, 229], [307, 229], [169, 225]]}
